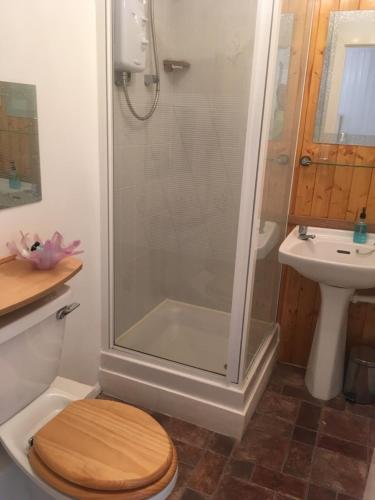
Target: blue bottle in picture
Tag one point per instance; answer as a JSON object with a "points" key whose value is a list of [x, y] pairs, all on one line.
{"points": [[14, 180]]}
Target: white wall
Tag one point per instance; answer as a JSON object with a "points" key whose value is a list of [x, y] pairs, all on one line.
{"points": [[52, 44]]}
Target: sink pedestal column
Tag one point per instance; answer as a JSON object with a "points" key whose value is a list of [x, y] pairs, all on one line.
{"points": [[325, 369]]}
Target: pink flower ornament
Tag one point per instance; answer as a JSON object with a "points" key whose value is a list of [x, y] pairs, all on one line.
{"points": [[43, 254]]}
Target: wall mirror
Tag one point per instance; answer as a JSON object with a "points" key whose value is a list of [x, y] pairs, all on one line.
{"points": [[19, 145], [346, 106]]}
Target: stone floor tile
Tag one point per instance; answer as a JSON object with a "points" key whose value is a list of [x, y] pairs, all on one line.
{"points": [[241, 469], [299, 460], [271, 425], [187, 454], [338, 472], [277, 405], [207, 473], [344, 497], [232, 488], [184, 473], [301, 393], [189, 494], [345, 425], [294, 447], [303, 435], [288, 375], [318, 493], [275, 387], [347, 448], [278, 482], [309, 416], [362, 410], [220, 444], [337, 403], [372, 433], [263, 449], [188, 433]]}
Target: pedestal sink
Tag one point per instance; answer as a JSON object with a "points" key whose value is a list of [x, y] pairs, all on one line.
{"points": [[341, 267]]}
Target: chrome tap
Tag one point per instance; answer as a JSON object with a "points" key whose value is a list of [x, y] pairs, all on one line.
{"points": [[302, 233]]}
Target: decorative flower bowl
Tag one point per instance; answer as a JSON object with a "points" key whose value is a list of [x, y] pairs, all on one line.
{"points": [[43, 254]]}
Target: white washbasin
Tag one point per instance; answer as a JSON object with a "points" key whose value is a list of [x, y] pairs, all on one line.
{"points": [[340, 266], [331, 258], [268, 237]]}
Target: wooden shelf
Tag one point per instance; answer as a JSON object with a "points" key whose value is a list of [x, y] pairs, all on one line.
{"points": [[21, 284]]}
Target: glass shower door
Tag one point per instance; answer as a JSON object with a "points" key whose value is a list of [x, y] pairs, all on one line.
{"points": [[177, 184], [271, 218]]}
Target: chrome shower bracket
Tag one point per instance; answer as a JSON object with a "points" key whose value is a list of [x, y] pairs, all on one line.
{"points": [[151, 80], [120, 76]]}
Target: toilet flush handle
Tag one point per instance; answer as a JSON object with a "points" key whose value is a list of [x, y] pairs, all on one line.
{"points": [[64, 311]]}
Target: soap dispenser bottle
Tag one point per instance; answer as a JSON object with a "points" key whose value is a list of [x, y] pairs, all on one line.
{"points": [[360, 228]]}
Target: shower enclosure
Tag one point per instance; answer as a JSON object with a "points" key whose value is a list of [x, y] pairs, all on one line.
{"points": [[198, 190]]}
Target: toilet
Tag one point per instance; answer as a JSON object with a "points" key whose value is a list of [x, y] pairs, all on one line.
{"points": [[68, 443]]}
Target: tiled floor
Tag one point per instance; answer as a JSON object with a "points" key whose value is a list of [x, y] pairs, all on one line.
{"points": [[295, 447]]}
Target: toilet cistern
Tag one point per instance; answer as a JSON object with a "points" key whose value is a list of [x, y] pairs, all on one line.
{"points": [[331, 259], [34, 400]]}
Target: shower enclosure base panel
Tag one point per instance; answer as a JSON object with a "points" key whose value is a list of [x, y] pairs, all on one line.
{"points": [[184, 333], [188, 334], [200, 397]]}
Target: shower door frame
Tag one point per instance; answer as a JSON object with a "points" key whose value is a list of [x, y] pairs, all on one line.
{"points": [[260, 105], [263, 71]]}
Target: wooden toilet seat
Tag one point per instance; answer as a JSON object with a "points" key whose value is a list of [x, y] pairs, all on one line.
{"points": [[81, 493], [103, 449]]}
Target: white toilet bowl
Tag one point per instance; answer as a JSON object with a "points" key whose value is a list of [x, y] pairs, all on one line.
{"points": [[31, 393]]}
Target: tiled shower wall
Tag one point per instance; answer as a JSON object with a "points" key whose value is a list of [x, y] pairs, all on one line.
{"points": [[177, 176]]}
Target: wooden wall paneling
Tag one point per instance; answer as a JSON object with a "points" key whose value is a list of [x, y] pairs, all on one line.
{"points": [[368, 156], [368, 332], [326, 191], [307, 177], [304, 109], [288, 310], [17, 136], [367, 4], [371, 198], [328, 197], [296, 70], [306, 321], [356, 323], [342, 183], [325, 176], [360, 178], [359, 192], [324, 222], [324, 180], [349, 4], [361, 182], [277, 176]]}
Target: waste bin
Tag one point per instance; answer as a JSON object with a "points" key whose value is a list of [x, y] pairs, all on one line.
{"points": [[359, 384]]}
